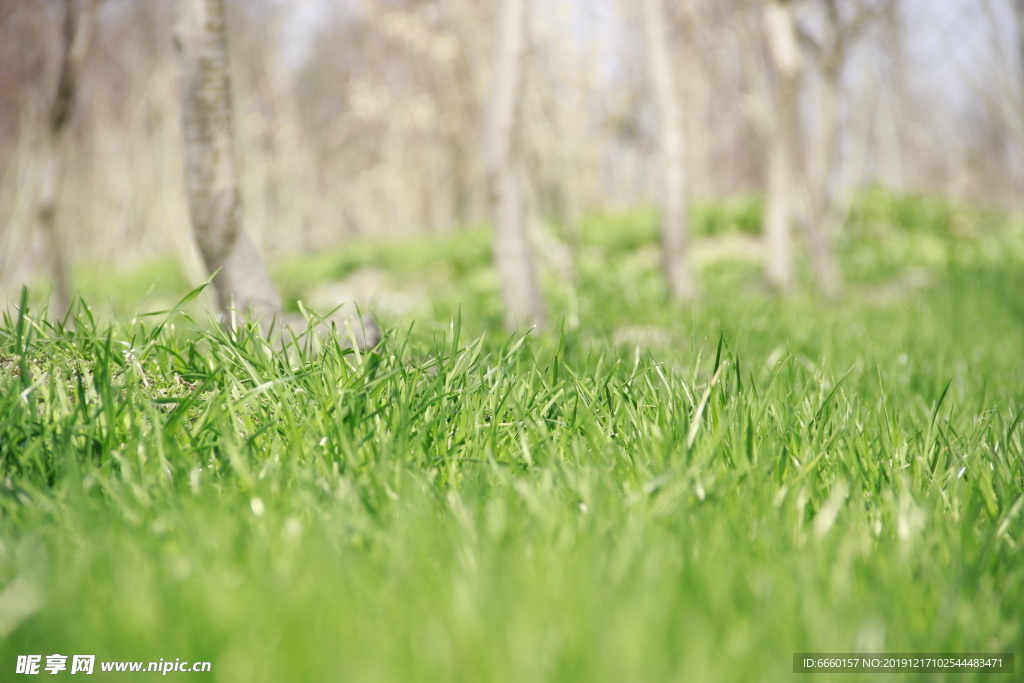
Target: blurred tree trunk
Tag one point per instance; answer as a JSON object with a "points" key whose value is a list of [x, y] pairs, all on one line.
{"points": [[242, 283], [76, 32], [520, 293], [696, 90], [822, 164], [1018, 12], [827, 213], [892, 146], [1019, 16], [778, 214], [672, 143]]}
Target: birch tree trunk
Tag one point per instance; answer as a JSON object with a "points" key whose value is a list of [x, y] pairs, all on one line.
{"points": [[76, 32], [673, 190], [520, 293], [242, 283], [778, 213]]}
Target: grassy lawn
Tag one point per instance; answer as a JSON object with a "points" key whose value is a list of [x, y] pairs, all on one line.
{"points": [[649, 492]]}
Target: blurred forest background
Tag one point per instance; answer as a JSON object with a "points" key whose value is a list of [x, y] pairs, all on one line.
{"points": [[365, 118]]}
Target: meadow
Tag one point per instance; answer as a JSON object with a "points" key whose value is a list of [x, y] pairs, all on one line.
{"points": [[647, 491]]}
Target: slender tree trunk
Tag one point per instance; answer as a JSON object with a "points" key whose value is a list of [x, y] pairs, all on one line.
{"points": [[696, 94], [244, 288], [892, 142], [520, 293], [242, 283], [822, 162], [673, 190], [1019, 15], [778, 214], [821, 153], [76, 32], [1018, 7]]}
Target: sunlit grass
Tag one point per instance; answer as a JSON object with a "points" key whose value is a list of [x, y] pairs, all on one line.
{"points": [[664, 493]]}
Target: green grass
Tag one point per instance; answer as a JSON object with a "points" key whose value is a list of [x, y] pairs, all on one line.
{"points": [[662, 493]]}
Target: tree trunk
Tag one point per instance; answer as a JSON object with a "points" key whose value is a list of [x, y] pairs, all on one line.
{"points": [[243, 286], [822, 162], [1018, 7], [1019, 16], [76, 32], [778, 213], [520, 293], [672, 190], [696, 92], [242, 283], [892, 137]]}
